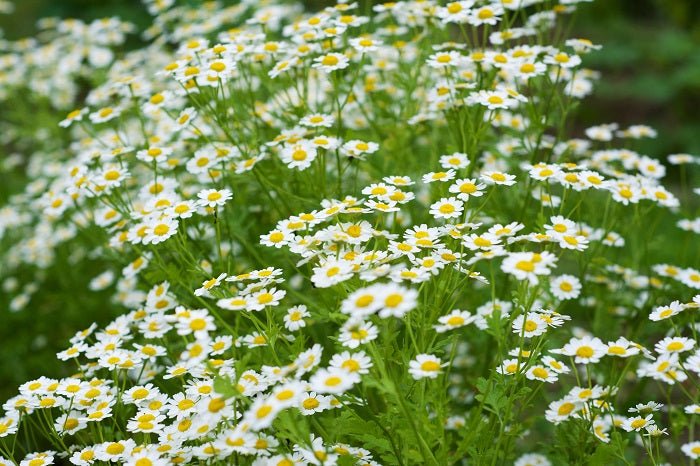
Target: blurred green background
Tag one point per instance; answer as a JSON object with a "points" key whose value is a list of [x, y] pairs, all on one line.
{"points": [[650, 65]]}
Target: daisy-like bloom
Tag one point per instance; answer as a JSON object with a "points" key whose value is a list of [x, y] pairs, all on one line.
{"points": [[325, 142], [186, 117], [556, 366], [541, 373], [453, 320], [331, 62], [318, 120], [160, 230], [140, 394], [210, 284], [691, 450], [70, 423], [255, 340], [352, 362], [261, 413], [466, 188], [294, 318], [331, 273], [288, 394], [510, 366], [455, 12], [625, 193], [276, 238], [528, 69], [601, 429], [105, 114], [425, 366], [560, 226], [356, 332], [446, 208], [154, 154], [112, 176], [455, 161], [299, 155], [575, 242], [84, 457], [398, 180], [586, 350], [182, 209], [637, 423], [623, 348], [493, 100], [585, 394], [146, 457], [690, 277], [666, 368], [543, 172], [528, 265], [532, 459], [506, 230], [312, 402], [356, 148], [396, 300], [561, 410], [333, 380], [498, 178], [213, 197], [563, 59], [114, 451], [265, 297], [237, 303], [646, 408], [530, 325], [75, 115], [445, 59], [439, 176], [680, 159], [38, 459], [365, 44], [379, 190], [483, 242], [565, 287], [487, 14], [282, 66], [674, 345], [363, 302]]}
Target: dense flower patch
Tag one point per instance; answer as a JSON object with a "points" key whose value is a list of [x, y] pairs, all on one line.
{"points": [[361, 235]]}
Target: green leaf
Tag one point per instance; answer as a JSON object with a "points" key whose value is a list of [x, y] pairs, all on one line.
{"points": [[224, 387]]}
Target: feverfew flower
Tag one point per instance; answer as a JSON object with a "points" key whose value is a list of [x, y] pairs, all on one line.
{"points": [[446, 208], [586, 350], [565, 287], [425, 366], [214, 197], [331, 62]]}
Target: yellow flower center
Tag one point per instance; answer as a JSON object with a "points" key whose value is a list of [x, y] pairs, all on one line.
{"points": [[565, 408], [114, 448], [329, 60], [393, 300], [430, 366], [675, 346], [584, 352]]}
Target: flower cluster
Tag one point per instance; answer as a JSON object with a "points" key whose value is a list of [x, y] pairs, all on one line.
{"points": [[340, 237]]}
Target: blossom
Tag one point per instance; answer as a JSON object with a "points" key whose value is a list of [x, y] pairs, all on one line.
{"points": [[425, 366]]}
